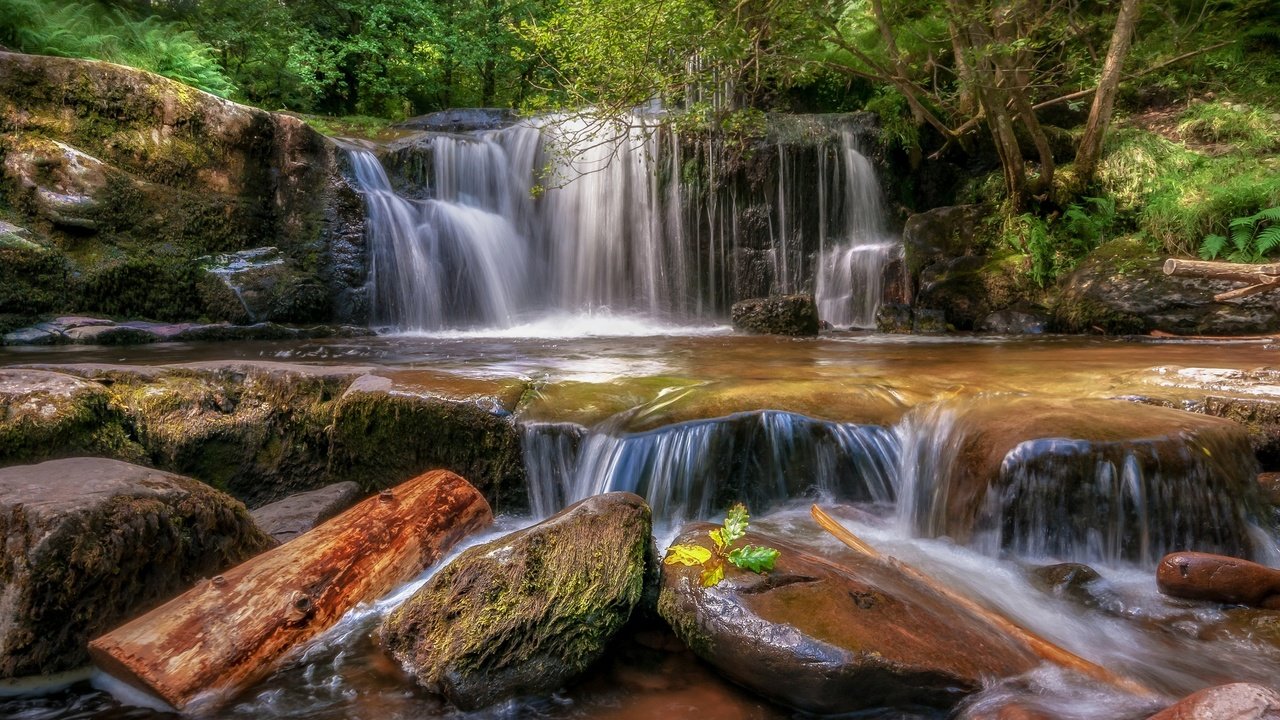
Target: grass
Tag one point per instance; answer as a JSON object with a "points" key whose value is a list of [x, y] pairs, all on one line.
{"points": [[352, 126], [1244, 127]]}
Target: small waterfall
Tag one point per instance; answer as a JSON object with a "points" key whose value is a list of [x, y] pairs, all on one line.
{"points": [[438, 263], [571, 215], [851, 266], [1079, 500], [695, 469]]}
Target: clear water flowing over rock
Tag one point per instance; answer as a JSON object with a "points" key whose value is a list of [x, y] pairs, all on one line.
{"points": [[574, 215]]}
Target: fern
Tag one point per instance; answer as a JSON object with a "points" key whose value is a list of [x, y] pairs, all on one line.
{"points": [[1249, 238]]}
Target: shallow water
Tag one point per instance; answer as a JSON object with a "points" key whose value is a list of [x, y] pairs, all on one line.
{"points": [[1173, 646]]}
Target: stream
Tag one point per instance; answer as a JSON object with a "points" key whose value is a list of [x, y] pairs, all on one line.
{"points": [[806, 449]]}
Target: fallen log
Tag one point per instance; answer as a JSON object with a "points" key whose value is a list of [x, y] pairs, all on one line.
{"points": [[1266, 274], [1040, 646], [200, 649]]}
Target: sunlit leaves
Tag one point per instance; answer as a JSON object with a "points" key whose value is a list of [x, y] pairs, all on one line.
{"points": [[754, 558], [751, 557], [688, 555]]}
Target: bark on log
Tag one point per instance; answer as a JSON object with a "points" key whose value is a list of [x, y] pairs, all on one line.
{"points": [[1236, 272], [200, 649]]}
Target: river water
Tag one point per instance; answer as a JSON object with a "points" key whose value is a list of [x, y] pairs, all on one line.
{"points": [[842, 407]]}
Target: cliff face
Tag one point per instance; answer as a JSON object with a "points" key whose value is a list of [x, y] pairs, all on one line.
{"points": [[124, 180]]}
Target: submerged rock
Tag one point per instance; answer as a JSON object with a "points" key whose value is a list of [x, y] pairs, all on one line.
{"points": [[91, 542], [795, 315], [1015, 322], [828, 638], [894, 318], [286, 519], [527, 613], [1081, 479], [1237, 701], [1216, 578]]}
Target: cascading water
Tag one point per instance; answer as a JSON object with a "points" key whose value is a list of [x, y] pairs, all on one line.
{"points": [[572, 215], [693, 469]]}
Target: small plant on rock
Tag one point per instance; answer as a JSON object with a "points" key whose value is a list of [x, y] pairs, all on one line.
{"points": [[758, 559], [1251, 239]]}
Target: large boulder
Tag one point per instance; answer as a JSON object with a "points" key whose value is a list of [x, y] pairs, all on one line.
{"points": [[939, 236], [527, 613], [91, 542], [1084, 479], [47, 415], [834, 638], [141, 175], [1120, 289], [795, 315]]}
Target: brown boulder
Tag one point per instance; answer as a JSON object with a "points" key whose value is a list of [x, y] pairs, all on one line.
{"points": [[830, 638], [795, 315], [1084, 479], [90, 542], [1216, 578], [1237, 701]]}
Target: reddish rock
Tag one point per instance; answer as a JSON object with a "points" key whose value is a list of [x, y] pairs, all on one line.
{"points": [[1237, 701], [830, 638], [1217, 578]]}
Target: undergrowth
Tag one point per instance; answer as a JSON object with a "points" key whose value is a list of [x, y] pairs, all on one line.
{"points": [[69, 28]]}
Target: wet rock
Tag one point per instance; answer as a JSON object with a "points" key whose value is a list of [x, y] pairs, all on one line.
{"points": [[928, 322], [1007, 710], [286, 519], [970, 288], [1119, 289], [388, 429], [795, 315], [149, 174], [894, 318], [263, 287], [1269, 484], [1074, 581], [1085, 479], [1237, 701], [1217, 578], [525, 614], [1015, 322], [829, 638], [48, 415], [91, 542]]}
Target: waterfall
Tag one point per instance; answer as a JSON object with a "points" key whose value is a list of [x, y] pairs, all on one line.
{"points": [[851, 266], [573, 215], [695, 469]]}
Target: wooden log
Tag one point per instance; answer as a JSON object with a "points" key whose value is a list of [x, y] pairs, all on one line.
{"points": [[1246, 291], [1040, 646], [1268, 274], [200, 649]]}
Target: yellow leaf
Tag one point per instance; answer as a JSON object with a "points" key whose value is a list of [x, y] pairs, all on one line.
{"points": [[687, 555], [713, 575]]}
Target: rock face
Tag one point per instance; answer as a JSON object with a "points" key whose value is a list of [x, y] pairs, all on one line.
{"points": [[1237, 701], [829, 638], [286, 519], [1216, 578], [1046, 478], [91, 542], [795, 315], [527, 613], [125, 178], [1119, 290]]}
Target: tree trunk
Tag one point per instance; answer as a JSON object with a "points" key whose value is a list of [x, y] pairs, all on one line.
{"points": [[1090, 150], [200, 649]]}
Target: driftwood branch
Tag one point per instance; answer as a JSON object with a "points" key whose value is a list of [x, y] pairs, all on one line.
{"points": [[1039, 645], [1261, 278]]}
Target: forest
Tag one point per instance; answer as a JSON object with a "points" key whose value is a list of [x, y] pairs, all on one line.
{"points": [[1022, 93]]}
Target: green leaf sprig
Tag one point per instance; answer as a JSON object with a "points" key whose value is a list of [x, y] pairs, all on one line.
{"points": [[757, 559]]}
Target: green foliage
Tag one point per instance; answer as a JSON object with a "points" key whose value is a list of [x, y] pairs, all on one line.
{"points": [[1251, 238], [72, 28], [1055, 244], [754, 558], [1242, 126]]}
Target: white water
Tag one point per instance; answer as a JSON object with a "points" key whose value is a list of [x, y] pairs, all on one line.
{"points": [[574, 217]]}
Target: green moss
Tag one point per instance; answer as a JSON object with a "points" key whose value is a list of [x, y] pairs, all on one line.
{"points": [[40, 425]]}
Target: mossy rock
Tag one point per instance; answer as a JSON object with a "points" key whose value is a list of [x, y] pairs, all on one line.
{"points": [[525, 614], [383, 435], [92, 542], [49, 415], [33, 281]]}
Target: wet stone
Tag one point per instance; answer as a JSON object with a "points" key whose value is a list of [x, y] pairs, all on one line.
{"points": [[288, 518], [795, 315], [1216, 578], [1237, 701]]}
